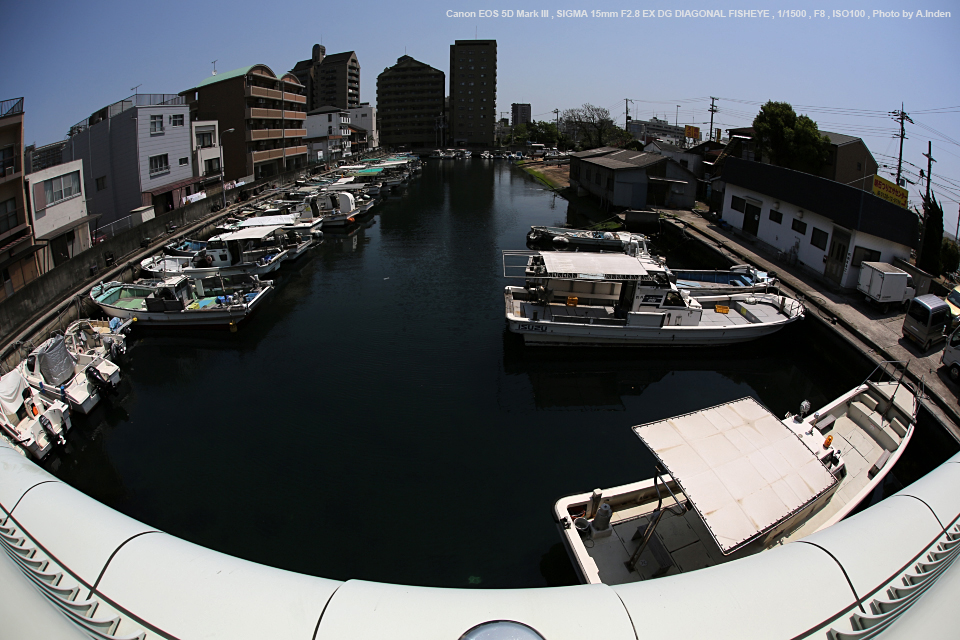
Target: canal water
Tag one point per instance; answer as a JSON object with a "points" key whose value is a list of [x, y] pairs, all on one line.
{"points": [[378, 422]]}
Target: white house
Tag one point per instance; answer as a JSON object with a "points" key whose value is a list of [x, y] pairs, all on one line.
{"points": [[365, 117], [328, 135], [827, 227], [684, 158], [58, 213]]}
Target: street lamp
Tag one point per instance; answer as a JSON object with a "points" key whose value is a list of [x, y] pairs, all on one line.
{"points": [[223, 192]]}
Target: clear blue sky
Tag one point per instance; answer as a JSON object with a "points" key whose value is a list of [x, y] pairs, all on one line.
{"points": [[69, 59]]}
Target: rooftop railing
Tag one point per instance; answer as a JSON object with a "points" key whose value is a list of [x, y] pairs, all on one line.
{"points": [[11, 107]]}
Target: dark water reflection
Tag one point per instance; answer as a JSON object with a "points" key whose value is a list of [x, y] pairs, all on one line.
{"points": [[378, 422]]}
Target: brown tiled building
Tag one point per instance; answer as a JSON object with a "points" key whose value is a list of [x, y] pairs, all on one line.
{"points": [[410, 104], [18, 262], [473, 93], [266, 114], [332, 80]]}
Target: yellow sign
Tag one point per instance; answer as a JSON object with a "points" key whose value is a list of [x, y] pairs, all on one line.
{"points": [[722, 308], [890, 192], [691, 132]]}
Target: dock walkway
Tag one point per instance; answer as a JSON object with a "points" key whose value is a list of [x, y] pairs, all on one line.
{"points": [[877, 335]]}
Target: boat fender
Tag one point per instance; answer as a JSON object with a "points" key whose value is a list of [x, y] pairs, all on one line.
{"points": [[36, 411]]}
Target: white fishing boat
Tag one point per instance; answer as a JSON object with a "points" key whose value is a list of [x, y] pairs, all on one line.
{"points": [[561, 237], [31, 423], [741, 278], [184, 247], [181, 301], [254, 250], [338, 209], [613, 299], [734, 480], [88, 339], [59, 375]]}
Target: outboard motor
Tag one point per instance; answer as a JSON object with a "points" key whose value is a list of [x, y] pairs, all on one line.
{"points": [[48, 427], [97, 379], [115, 347]]}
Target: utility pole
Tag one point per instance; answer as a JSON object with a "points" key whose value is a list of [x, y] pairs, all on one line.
{"points": [[930, 160], [900, 116], [626, 103], [557, 113], [713, 110]]}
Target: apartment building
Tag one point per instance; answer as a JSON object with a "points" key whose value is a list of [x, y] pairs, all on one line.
{"points": [[520, 113], [261, 120], [18, 261], [136, 152], [58, 213], [365, 117], [328, 135], [332, 80], [49, 155], [473, 93], [410, 101]]}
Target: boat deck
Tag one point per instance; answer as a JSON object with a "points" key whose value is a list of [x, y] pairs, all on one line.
{"points": [[739, 313], [678, 547]]}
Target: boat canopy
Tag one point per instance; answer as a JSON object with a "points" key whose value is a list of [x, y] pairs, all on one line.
{"points": [[743, 470], [267, 221], [367, 172], [57, 365], [251, 233], [592, 266], [12, 386]]}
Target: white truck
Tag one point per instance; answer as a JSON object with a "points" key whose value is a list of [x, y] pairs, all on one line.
{"points": [[885, 284]]}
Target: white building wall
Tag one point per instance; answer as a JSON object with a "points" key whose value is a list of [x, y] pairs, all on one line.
{"points": [[783, 237], [202, 154], [366, 117], [51, 217], [173, 141]]}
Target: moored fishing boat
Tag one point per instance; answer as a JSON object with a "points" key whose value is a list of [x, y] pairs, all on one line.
{"points": [[87, 339], [181, 301], [31, 423], [60, 375], [561, 237], [739, 278], [733, 480], [612, 299]]}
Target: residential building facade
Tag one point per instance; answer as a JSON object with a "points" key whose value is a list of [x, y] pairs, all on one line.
{"points": [[328, 135], [828, 227], [365, 117], [18, 260], [520, 113], [266, 115], [633, 179], [684, 157], [205, 139], [649, 130], [473, 93], [410, 99], [135, 152], [332, 80], [58, 212]]}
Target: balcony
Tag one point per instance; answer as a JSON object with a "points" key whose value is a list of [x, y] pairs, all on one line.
{"points": [[296, 151], [268, 114], [294, 97], [294, 133], [260, 92], [263, 156], [263, 134], [295, 115], [10, 168]]}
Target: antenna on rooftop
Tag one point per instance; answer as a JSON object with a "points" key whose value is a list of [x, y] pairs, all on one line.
{"points": [[214, 63]]}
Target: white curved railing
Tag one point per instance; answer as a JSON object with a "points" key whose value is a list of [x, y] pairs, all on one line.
{"points": [[72, 567]]}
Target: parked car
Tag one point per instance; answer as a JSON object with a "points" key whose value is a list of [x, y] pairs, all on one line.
{"points": [[953, 301], [950, 357], [926, 320], [885, 284]]}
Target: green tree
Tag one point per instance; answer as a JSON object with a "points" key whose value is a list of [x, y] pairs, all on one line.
{"points": [[931, 241], [949, 256], [789, 140], [520, 134]]}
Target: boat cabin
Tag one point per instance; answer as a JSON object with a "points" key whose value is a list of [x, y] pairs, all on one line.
{"points": [[250, 245]]}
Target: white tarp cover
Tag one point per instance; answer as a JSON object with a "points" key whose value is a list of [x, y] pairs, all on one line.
{"points": [[251, 233], [266, 221], [11, 392], [592, 263], [743, 470], [56, 364]]}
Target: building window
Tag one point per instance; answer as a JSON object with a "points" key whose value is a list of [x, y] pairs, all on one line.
{"points": [[799, 226], [211, 166], [862, 254], [738, 204], [176, 120], [61, 188], [776, 216], [818, 239], [205, 139], [159, 164], [8, 215], [156, 124], [184, 162], [101, 183]]}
